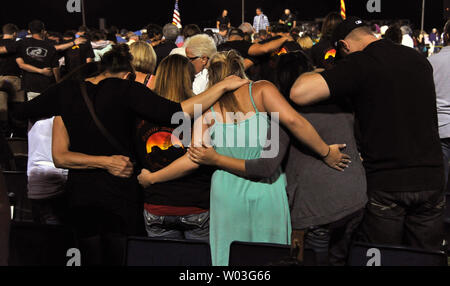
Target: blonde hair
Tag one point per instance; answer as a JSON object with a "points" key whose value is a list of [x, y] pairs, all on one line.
{"points": [[201, 45], [305, 42], [222, 65], [144, 57], [174, 78]]}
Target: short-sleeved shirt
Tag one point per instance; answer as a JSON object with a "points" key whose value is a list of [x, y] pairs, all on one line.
{"points": [[288, 19], [157, 148], [323, 54], [8, 64], [441, 67], [40, 54], [393, 93], [77, 56]]}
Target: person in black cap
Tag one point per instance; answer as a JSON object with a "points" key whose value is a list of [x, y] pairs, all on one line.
{"points": [[393, 95]]}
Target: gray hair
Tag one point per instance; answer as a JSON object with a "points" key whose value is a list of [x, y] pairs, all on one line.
{"points": [[201, 45], [171, 32]]}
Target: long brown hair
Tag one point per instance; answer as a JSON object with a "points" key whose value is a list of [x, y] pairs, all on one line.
{"points": [[174, 78], [224, 64], [332, 20]]}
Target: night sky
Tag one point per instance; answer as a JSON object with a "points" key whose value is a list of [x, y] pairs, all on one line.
{"points": [[133, 14]]}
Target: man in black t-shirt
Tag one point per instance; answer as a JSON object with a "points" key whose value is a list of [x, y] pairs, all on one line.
{"points": [[10, 82], [288, 19], [38, 60], [223, 20], [394, 98], [76, 56]]}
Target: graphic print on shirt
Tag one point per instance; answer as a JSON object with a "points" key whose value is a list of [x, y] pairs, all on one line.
{"points": [[161, 147], [330, 53], [37, 53]]}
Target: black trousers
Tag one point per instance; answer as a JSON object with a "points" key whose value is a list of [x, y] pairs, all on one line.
{"points": [[331, 242], [411, 219]]}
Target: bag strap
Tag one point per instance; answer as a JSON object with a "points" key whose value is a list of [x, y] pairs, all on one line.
{"points": [[99, 124], [147, 79]]}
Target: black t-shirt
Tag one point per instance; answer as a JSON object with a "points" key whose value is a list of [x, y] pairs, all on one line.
{"points": [[77, 56], [8, 64], [156, 149], [265, 64], [40, 54], [242, 47], [288, 19], [223, 20], [118, 103], [393, 93], [163, 50], [323, 54]]}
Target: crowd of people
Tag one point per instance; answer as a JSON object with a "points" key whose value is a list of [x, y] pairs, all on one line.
{"points": [[355, 112]]}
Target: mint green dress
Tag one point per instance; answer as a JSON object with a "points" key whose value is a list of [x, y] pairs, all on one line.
{"points": [[241, 209]]}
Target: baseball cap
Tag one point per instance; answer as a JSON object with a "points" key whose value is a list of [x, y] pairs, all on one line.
{"points": [[345, 28]]}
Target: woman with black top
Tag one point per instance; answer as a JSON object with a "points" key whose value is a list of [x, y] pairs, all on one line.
{"points": [[104, 197], [177, 209]]}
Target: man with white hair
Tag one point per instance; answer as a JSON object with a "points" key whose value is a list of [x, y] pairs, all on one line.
{"points": [[199, 49]]}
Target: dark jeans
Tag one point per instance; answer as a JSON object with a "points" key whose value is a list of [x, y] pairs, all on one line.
{"points": [[190, 227], [412, 219], [331, 242], [446, 151], [52, 211]]}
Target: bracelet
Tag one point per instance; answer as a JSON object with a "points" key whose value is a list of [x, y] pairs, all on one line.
{"points": [[328, 154], [74, 44]]}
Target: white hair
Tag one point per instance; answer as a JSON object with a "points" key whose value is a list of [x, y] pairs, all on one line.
{"points": [[201, 45]]}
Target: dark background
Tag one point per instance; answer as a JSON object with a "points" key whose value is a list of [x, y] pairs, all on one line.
{"points": [[134, 14]]}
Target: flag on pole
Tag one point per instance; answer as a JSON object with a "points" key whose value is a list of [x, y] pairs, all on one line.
{"points": [[176, 15], [343, 11]]}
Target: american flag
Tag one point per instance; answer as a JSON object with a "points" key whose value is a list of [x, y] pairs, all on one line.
{"points": [[176, 15], [343, 11]]}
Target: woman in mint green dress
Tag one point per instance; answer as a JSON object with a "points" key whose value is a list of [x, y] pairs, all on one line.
{"points": [[241, 209], [236, 127]]}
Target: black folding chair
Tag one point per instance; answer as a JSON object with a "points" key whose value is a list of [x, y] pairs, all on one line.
{"points": [[143, 251], [18, 146], [362, 254], [16, 183], [264, 254], [19, 150], [39, 245], [447, 209]]}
